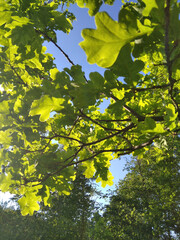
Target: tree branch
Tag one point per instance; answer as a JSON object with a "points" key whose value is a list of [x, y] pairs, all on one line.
{"points": [[62, 136], [75, 122], [21, 81], [62, 168], [137, 115], [114, 120], [124, 130], [123, 151], [150, 88], [96, 122], [51, 40]]}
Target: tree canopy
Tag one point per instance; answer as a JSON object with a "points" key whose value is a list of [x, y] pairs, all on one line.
{"points": [[51, 122]]}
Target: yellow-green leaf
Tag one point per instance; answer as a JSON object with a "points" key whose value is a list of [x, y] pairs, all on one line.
{"points": [[118, 93], [90, 169], [109, 180], [45, 106], [102, 45], [29, 203]]}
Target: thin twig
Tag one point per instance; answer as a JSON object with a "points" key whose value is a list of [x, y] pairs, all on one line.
{"points": [[63, 136], [65, 54], [75, 122], [125, 150], [114, 120], [150, 88], [137, 115], [97, 123], [50, 39], [21, 81], [124, 130], [160, 64], [63, 167]]}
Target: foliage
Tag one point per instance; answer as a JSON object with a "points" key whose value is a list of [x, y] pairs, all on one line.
{"points": [[70, 215], [15, 226], [50, 120], [93, 5], [68, 218], [146, 205], [99, 228]]}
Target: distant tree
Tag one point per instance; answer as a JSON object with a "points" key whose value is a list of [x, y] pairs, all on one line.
{"points": [[70, 215], [68, 218], [14, 226], [99, 229], [146, 204]]}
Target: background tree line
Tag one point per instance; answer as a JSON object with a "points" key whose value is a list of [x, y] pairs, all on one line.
{"points": [[145, 205]]}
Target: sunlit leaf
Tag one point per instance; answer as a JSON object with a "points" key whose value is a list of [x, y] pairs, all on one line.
{"points": [[109, 180], [29, 203], [108, 39], [90, 169], [45, 106]]}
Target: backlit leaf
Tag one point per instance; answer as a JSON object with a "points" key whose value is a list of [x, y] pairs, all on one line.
{"points": [[118, 93], [29, 203], [90, 169], [108, 39], [45, 106], [171, 113], [109, 180]]}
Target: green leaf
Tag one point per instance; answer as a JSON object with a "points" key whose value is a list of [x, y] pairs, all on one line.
{"points": [[5, 182], [4, 107], [149, 6], [46, 198], [150, 126], [18, 105], [53, 73], [5, 17], [109, 180], [171, 113], [158, 129], [93, 5], [118, 93], [29, 203], [76, 73], [19, 21], [154, 9], [126, 67], [45, 106], [150, 123], [5, 138], [90, 169], [62, 23], [109, 37], [97, 80], [84, 96]]}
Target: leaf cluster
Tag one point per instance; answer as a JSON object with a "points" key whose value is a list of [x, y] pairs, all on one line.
{"points": [[51, 120]]}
